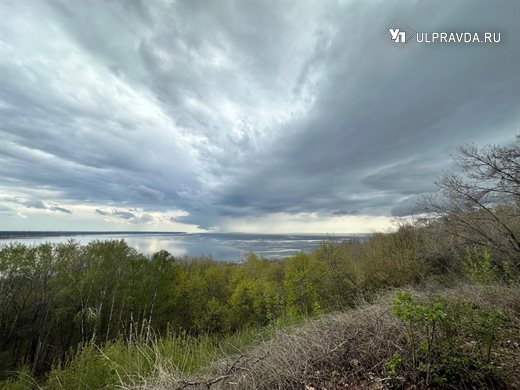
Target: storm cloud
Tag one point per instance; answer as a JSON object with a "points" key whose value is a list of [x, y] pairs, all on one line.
{"points": [[219, 115]]}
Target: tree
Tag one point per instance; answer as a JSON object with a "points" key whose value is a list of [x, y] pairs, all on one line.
{"points": [[300, 283], [481, 205]]}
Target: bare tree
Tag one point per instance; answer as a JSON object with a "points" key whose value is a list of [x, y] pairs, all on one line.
{"points": [[481, 204]]}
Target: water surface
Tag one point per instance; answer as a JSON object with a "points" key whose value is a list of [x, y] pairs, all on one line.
{"points": [[221, 246]]}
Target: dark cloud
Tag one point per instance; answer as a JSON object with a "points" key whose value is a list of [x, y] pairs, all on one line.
{"points": [[384, 126], [102, 212], [240, 109], [408, 206], [141, 191], [345, 212], [134, 216], [123, 214], [413, 176], [60, 209], [35, 204]]}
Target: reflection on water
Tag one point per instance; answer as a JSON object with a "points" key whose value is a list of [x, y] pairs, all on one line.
{"points": [[219, 246]]}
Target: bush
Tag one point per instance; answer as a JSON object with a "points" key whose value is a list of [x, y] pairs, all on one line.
{"points": [[448, 341], [478, 266]]}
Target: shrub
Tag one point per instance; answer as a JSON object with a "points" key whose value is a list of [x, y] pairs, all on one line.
{"points": [[448, 341], [478, 266]]}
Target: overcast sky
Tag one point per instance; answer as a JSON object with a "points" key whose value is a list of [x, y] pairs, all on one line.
{"points": [[241, 116]]}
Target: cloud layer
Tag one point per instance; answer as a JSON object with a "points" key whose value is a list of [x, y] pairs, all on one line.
{"points": [[250, 116]]}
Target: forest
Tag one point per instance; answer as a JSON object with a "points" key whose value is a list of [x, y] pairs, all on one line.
{"points": [[101, 315]]}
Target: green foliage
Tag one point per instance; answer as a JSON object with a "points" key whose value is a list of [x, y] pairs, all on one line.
{"points": [[413, 312], [116, 362], [447, 341], [20, 380], [478, 266], [393, 259], [301, 284], [93, 367], [257, 293], [62, 298], [392, 365]]}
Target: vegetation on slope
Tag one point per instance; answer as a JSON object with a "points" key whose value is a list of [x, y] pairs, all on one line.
{"points": [[460, 337]]}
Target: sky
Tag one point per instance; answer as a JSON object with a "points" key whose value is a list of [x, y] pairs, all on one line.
{"points": [[247, 116]]}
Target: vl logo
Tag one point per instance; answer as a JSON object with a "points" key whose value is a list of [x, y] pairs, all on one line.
{"points": [[397, 36], [399, 33]]}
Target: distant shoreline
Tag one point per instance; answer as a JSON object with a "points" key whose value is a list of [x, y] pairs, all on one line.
{"points": [[38, 234]]}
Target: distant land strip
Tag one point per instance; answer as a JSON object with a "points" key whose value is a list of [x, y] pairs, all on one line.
{"points": [[32, 234]]}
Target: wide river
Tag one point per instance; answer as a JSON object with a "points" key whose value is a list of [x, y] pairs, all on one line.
{"points": [[221, 246]]}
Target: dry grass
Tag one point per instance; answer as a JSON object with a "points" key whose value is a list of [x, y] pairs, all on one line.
{"points": [[343, 350]]}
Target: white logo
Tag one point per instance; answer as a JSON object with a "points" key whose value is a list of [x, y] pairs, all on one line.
{"points": [[397, 35]]}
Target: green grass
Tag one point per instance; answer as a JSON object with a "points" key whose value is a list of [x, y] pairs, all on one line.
{"points": [[117, 362]]}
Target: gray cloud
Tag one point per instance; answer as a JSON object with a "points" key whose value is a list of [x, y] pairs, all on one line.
{"points": [[407, 206], [383, 128], [134, 216], [239, 109], [6, 209], [35, 204], [60, 209], [345, 212], [123, 214]]}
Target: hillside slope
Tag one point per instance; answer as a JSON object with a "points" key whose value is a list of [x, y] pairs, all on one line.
{"points": [[370, 347]]}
